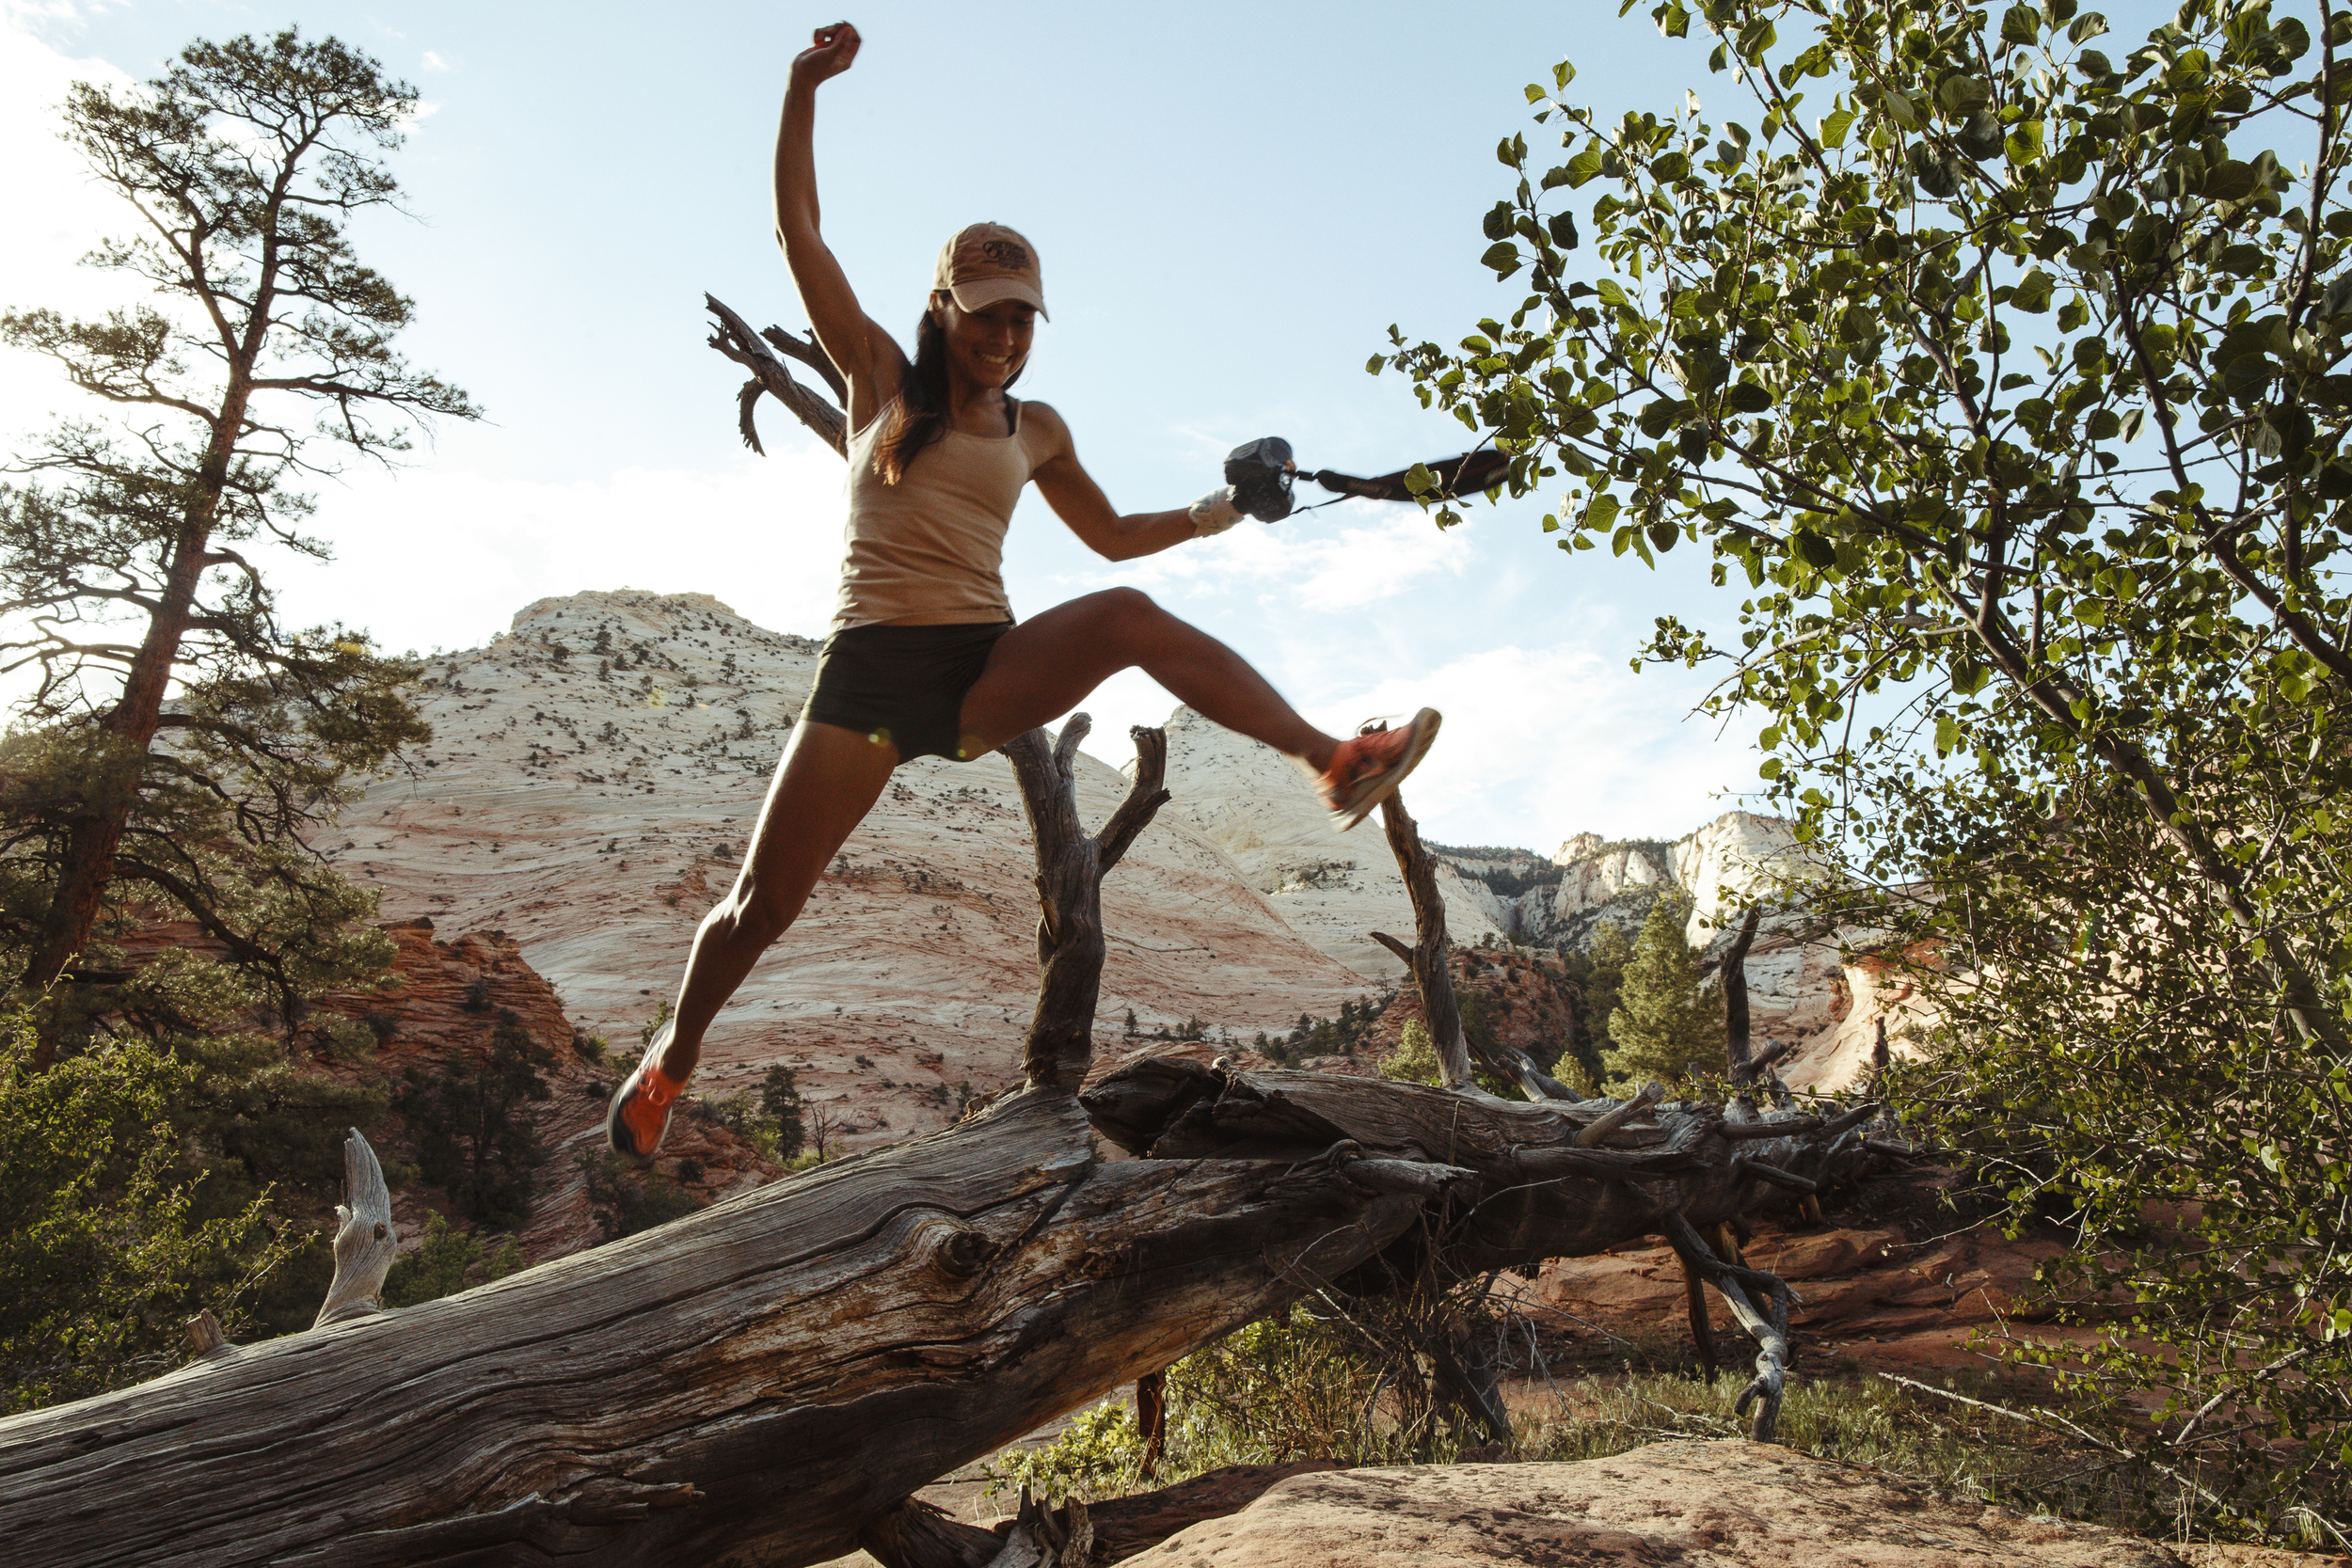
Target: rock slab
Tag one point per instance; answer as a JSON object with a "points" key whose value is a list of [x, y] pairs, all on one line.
{"points": [[1727, 1504]]}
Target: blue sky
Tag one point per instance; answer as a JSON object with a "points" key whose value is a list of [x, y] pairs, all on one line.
{"points": [[1231, 204]]}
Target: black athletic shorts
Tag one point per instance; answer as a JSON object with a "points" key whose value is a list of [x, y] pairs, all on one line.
{"points": [[903, 684]]}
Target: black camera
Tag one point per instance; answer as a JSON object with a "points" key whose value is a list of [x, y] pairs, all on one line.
{"points": [[1261, 474]]}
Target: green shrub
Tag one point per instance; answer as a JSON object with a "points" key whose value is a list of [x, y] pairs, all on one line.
{"points": [[1415, 1058], [1099, 1454], [452, 1259], [106, 1247], [626, 1202]]}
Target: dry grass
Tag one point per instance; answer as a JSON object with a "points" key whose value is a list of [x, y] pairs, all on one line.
{"points": [[1284, 1391]]}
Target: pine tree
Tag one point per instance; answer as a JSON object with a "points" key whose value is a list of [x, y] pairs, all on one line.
{"points": [[1664, 1026], [473, 1137], [780, 1103], [1599, 971], [180, 738]]}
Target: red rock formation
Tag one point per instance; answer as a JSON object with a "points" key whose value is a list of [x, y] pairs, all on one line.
{"points": [[445, 998], [1888, 1284], [1531, 1003]]}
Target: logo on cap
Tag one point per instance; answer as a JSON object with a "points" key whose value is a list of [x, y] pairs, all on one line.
{"points": [[1006, 253]]}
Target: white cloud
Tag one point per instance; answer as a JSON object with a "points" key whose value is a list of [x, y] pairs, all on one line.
{"points": [[433, 61], [763, 536], [1555, 740]]}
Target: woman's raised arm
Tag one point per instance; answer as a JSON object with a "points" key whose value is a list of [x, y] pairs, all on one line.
{"points": [[866, 354]]}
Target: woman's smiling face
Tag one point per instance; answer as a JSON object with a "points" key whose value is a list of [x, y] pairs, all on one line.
{"points": [[986, 348]]}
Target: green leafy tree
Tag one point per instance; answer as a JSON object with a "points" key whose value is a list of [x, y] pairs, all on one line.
{"points": [[106, 1244], [180, 737], [2002, 368], [1665, 1025]]}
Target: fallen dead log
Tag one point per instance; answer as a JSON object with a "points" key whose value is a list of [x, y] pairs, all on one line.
{"points": [[754, 1383], [1536, 1193]]}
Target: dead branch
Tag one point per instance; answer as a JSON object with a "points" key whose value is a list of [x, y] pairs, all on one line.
{"points": [[365, 1241], [759, 355], [1069, 870], [1428, 958], [1770, 1331]]}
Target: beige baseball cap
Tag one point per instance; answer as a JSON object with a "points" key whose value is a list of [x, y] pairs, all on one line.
{"points": [[986, 263]]}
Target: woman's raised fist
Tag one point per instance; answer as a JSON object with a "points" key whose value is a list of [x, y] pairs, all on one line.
{"points": [[828, 55]]}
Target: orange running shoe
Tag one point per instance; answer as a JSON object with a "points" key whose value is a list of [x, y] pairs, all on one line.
{"points": [[1367, 767], [640, 1113]]}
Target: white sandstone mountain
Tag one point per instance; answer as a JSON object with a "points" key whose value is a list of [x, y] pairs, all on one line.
{"points": [[592, 780], [594, 774], [1333, 889]]}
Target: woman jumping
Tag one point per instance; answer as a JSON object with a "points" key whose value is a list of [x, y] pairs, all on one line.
{"points": [[924, 658]]}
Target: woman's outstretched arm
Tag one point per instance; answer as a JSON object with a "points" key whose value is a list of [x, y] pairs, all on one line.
{"points": [[865, 353], [1080, 503]]}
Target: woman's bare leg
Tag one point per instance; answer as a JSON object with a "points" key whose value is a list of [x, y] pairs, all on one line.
{"points": [[1041, 669], [829, 779]]}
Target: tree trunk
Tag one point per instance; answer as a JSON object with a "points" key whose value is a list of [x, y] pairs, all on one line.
{"points": [[1430, 958], [88, 863], [753, 1383]]}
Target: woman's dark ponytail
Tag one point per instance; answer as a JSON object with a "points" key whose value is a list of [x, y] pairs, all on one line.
{"points": [[920, 416]]}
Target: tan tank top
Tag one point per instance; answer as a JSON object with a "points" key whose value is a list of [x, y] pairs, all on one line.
{"points": [[929, 549]]}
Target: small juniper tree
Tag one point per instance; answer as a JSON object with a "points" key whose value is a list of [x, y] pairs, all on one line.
{"points": [[1666, 1026], [780, 1103]]}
